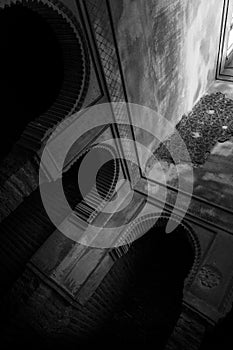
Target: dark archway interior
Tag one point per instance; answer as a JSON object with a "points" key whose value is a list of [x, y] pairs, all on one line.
{"points": [[105, 180], [152, 305], [32, 70]]}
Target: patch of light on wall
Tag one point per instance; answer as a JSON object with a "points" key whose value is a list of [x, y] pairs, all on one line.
{"points": [[230, 40]]}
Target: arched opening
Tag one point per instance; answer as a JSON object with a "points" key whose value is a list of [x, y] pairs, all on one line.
{"points": [[42, 70], [101, 158], [32, 69], [151, 305]]}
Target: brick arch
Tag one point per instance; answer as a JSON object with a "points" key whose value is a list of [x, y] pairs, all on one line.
{"points": [[75, 62], [140, 226]]}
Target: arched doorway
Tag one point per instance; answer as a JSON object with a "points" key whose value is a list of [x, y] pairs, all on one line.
{"points": [[43, 70], [159, 264]]}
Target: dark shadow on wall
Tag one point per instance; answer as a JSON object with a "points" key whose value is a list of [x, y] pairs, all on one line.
{"points": [[220, 337]]}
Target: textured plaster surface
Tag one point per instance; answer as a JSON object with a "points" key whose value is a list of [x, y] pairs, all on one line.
{"points": [[168, 51]]}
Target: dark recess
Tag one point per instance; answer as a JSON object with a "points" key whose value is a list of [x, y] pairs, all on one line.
{"points": [[32, 70]]}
